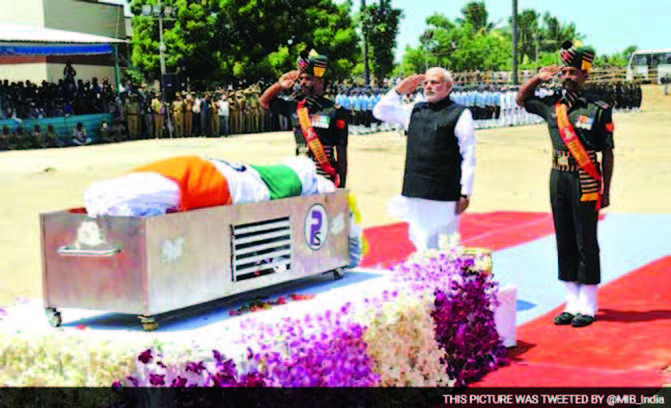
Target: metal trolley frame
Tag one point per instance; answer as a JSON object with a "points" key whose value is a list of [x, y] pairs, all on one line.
{"points": [[152, 265]]}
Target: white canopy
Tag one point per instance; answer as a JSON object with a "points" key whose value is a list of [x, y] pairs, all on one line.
{"points": [[17, 33]]}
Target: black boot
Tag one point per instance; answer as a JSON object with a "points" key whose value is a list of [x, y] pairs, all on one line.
{"points": [[564, 319], [582, 320]]}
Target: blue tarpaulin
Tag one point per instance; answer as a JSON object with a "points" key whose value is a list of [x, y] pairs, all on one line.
{"points": [[56, 49]]}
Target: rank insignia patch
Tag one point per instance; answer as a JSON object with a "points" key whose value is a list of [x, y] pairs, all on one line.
{"points": [[584, 122]]}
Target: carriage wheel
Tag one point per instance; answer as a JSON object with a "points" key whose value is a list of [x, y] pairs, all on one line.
{"points": [[338, 273], [54, 317], [148, 323]]}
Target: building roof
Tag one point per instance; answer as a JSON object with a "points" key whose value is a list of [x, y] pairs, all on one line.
{"points": [[653, 51], [17, 33]]}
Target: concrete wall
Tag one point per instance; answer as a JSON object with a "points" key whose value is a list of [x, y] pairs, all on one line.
{"points": [[54, 72], [33, 72], [27, 12], [85, 17], [72, 15]]}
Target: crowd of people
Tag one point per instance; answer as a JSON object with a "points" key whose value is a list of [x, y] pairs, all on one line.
{"points": [[144, 113]]}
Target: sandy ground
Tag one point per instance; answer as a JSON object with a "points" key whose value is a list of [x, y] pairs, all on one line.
{"points": [[512, 174]]}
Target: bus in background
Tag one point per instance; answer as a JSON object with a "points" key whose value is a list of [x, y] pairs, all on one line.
{"points": [[649, 65]]}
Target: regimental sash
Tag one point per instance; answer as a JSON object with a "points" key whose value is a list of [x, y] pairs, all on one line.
{"points": [[313, 142], [590, 178]]}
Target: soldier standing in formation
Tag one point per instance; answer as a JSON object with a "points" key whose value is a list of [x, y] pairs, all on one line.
{"points": [[188, 118], [177, 117], [213, 111], [133, 117], [195, 115], [579, 127], [157, 108]]}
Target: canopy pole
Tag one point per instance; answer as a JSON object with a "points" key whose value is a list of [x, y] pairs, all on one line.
{"points": [[117, 73]]}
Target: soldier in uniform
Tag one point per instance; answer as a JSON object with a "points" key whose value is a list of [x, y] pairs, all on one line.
{"points": [[188, 117], [254, 112], [243, 112], [579, 186], [148, 115], [177, 115], [133, 117], [157, 108], [213, 109], [234, 113], [320, 126]]}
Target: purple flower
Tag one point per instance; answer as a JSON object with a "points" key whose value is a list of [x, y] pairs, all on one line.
{"points": [[178, 382], [253, 379], [145, 357], [116, 385], [134, 381], [156, 379], [196, 368]]}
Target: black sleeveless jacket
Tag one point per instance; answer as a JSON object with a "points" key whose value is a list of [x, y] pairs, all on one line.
{"points": [[433, 160]]}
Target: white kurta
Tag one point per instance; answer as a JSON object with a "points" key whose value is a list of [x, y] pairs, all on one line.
{"points": [[429, 219]]}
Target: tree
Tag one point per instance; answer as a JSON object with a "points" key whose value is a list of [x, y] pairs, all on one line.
{"points": [[380, 24], [475, 13], [529, 36], [458, 47], [554, 33], [242, 41]]}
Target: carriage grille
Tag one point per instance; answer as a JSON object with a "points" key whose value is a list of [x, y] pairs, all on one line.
{"points": [[261, 248]]}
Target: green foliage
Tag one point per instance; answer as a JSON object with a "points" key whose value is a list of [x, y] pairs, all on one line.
{"points": [[475, 13], [243, 41], [459, 47], [380, 25]]}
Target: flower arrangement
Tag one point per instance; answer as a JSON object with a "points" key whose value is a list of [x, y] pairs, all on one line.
{"points": [[63, 360], [433, 327]]}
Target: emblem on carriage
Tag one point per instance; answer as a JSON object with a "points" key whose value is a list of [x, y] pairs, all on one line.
{"points": [[172, 250], [316, 227], [88, 234]]}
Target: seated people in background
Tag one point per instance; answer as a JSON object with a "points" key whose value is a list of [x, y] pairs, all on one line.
{"points": [[20, 139], [4, 138], [79, 136], [37, 141], [106, 133], [51, 139]]}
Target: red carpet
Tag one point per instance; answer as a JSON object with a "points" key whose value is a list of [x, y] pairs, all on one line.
{"points": [[389, 244], [628, 346]]}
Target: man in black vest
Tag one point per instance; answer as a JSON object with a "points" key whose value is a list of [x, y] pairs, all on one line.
{"points": [[579, 127], [328, 121], [439, 160]]}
